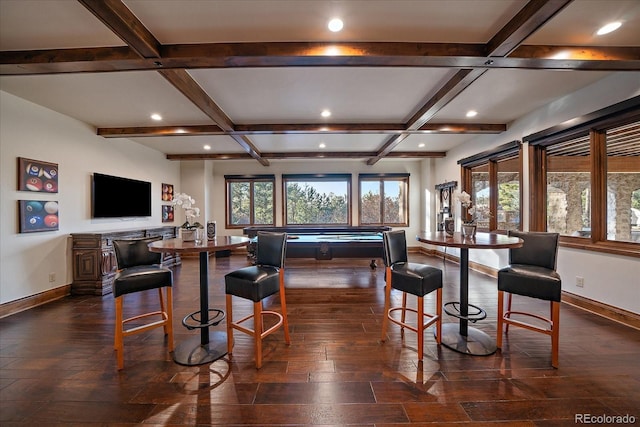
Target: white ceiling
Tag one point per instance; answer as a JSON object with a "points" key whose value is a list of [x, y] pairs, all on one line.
{"points": [[297, 95]]}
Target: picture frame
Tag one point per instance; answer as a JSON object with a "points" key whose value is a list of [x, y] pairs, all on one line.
{"points": [[167, 213], [37, 176], [167, 192], [38, 215]]}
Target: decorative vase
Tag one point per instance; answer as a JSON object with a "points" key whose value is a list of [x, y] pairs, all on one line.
{"points": [[449, 226], [211, 230], [188, 234], [469, 230]]}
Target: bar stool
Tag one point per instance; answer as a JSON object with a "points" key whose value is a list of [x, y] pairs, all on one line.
{"points": [[532, 272], [140, 270], [412, 278], [256, 283]]}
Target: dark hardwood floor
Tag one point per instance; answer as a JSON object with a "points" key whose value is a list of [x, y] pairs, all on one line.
{"points": [[57, 364]]}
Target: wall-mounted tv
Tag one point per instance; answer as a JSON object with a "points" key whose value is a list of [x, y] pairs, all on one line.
{"points": [[115, 197]]}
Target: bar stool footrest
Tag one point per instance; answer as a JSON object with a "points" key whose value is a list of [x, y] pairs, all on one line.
{"points": [[194, 320], [453, 309]]}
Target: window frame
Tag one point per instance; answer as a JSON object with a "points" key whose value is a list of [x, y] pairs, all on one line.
{"points": [[491, 158], [381, 178], [252, 179], [318, 177], [596, 125]]}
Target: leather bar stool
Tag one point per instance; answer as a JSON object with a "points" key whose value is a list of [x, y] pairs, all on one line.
{"points": [[532, 273], [141, 270], [256, 283], [409, 278]]}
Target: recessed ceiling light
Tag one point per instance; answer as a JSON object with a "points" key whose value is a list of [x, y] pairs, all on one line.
{"points": [[322, 145], [325, 113], [207, 147], [610, 27], [335, 25], [157, 117], [421, 145], [472, 113]]}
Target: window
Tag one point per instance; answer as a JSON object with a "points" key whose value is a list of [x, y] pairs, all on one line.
{"points": [[384, 199], [585, 180], [508, 209], [569, 188], [317, 199], [493, 179], [623, 182], [250, 200]]}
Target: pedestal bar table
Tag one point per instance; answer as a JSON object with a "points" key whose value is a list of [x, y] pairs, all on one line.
{"points": [[461, 337], [211, 345]]}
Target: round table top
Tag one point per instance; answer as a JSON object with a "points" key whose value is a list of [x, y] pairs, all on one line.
{"points": [[219, 243], [480, 241]]}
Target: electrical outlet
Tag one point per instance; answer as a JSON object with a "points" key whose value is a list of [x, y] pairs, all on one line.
{"points": [[580, 282], [52, 277]]}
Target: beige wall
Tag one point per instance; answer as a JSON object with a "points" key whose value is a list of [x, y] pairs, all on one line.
{"points": [[28, 130]]}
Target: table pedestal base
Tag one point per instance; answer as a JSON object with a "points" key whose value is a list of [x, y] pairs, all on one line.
{"points": [[476, 343], [191, 352]]}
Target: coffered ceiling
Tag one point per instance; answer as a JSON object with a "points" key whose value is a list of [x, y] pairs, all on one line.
{"points": [[249, 78]]}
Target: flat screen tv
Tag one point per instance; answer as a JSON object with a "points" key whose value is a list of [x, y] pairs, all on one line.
{"points": [[116, 197]]}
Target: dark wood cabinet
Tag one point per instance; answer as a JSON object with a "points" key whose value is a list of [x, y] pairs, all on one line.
{"points": [[94, 262]]}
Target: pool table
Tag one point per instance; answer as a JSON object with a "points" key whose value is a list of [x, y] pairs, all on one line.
{"points": [[325, 243]]}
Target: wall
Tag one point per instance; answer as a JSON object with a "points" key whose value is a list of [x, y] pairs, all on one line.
{"points": [[612, 280], [28, 130]]}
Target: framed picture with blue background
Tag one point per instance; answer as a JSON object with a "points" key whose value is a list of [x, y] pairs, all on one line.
{"points": [[38, 215]]}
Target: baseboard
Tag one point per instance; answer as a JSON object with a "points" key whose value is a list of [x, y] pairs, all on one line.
{"points": [[13, 307], [610, 312], [601, 309]]}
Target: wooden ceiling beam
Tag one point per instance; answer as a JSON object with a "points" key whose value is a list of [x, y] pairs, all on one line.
{"points": [[527, 21], [273, 129], [459, 82], [379, 54], [534, 14], [115, 15], [306, 155], [150, 131]]}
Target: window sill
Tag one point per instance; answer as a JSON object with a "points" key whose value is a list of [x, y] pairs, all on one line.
{"points": [[609, 247]]}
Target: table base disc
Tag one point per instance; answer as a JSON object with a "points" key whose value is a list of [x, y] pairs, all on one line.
{"points": [[191, 353], [476, 343]]}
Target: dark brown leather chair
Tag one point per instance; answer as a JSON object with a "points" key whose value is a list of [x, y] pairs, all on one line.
{"points": [[532, 273], [141, 270], [409, 278], [256, 283]]}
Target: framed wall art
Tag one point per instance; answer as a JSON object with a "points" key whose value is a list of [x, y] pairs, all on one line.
{"points": [[167, 213], [37, 176], [38, 215], [167, 192]]}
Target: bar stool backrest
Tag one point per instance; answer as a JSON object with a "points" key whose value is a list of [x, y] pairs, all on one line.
{"points": [[395, 247], [540, 248], [130, 253], [271, 248]]}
